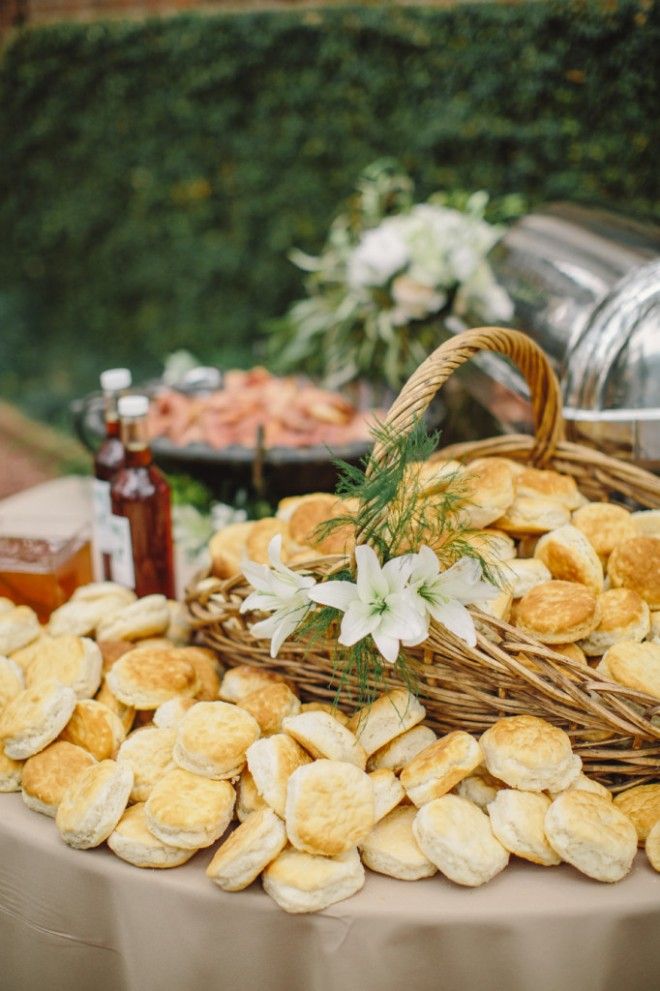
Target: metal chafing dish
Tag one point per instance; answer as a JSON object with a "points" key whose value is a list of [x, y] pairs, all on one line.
{"points": [[586, 286]]}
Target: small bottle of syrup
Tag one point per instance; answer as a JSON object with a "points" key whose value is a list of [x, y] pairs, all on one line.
{"points": [[142, 557], [108, 460]]}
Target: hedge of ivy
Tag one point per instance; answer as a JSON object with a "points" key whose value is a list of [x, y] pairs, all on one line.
{"points": [[153, 175]]}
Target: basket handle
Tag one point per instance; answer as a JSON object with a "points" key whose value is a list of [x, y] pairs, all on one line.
{"points": [[421, 387]]}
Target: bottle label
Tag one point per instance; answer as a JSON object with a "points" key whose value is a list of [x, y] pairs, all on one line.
{"points": [[123, 571], [102, 510]]}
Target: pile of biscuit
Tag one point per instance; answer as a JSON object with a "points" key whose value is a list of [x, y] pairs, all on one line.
{"points": [[171, 751], [582, 577]]}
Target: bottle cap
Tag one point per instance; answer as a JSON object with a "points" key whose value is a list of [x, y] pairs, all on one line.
{"points": [[130, 406], [115, 379]]}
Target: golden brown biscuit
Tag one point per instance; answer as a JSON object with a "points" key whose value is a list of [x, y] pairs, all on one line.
{"points": [[389, 716], [521, 575], [402, 749], [569, 556], [248, 799], [499, 607], [558, 612], [324, 736], [241, 681], [48, 774], [10, 773], [186, 810], [132, 840], [458, 838], [149, 753], [35, 718], [494, 546], [635, 564], [529, 753], [391, 848], [583, 783], [329, 807], [248, 851], [209, 672], [388, 791], [147, 676], [178, 629], [93, 804], [590, 833], [528, 515], [486, 490], [286, 507], [212, 739], [95, 728], [332, 710], [260, 535], [635, 665], [517, 820], [26, 655], [102, 591], [227, 548], [6, 604], [126, 713], [652, 847], [654, 631], [605, 525], [311, 514], [147, 617], [545, 484], [12, 681], [74, 661], [479, 787], [18, 627], [271, 705], [647, 522], [642, 806], [440, 766], [82, 617], [271, 762], [571, 650], [300, 882], [169, 714], [623, 616]]}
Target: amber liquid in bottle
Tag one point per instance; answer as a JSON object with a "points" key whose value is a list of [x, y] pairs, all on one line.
{"points": [[108, 460], [140, 494]]}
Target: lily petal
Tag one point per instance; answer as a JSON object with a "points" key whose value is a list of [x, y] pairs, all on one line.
{"points": [[358, 622], [371, 584], [287, 625], [426, 566], [337, 594], [388, 646], [463, 581], [403, 619], [456, 618], [397, 571], [259, 575]]}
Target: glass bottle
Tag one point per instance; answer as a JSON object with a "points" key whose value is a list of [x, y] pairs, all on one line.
{"points": [[142, 556], [107, 461]]}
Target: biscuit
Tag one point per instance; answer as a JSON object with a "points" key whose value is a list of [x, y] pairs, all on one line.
{"points": [[35, 718], [568, 556], [260, 535], [306, 519], [93, 804], [623, 616], [486, 490], [271, 705], [401, 750], [241, 681], [499, 607], [26, 655], [479, 787], [101, 591], [81, 618], [286, 507], [635, 665], [334, 710], [12, 681], [652, 847], [227, 549], [6, 604], [112, 650], [126, 713], [329, 807], [248, 851], [324, 736], [212, 739], [208, 670], [132, 840], [547, 484], [517, 819], [523, 574], [494, 546], [189, 811], [458, 838], [18, 627], [654, 630], [149, 753], [635, 564], [271, 762], [583, 783], [558, 612], [605, 525], [528, 515], [147, 617], [178, 629], [48, 774], [74, 661], [248, 799], [300, 882], [169, 714], [389, 716], [10, 773], [95, 728], [647, 522], [593, 835], [391, 848], [528, 753], [440, 766], [571, 650], [147, 676], [388, 791], [642, 806]]}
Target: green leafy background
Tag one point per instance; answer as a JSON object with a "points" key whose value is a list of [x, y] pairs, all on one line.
{"points": [[153, 175]]}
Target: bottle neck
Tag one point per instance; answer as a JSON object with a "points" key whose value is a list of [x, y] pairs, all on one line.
{"points": [[135, 439], [111, 415]]}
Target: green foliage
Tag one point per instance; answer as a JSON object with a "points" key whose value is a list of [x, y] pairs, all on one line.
{"points": [[154, 175]]}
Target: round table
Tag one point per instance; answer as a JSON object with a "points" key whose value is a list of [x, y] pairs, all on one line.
{"points": [[72, 921]]}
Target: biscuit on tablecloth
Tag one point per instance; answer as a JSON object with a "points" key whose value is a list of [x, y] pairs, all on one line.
{"points": [[569, 556], [391, 848], [635, 665], [302, 882], [592, 834], [19, 626], [74, 661], [241, 681], [95, 728], [48, 774], [517, 819], [35, 718], [147, 617], [558, 612], [169, 714], [271, 762], [329, 807], [189, 811], [605, 525], [388, 791], [132, 840], [652, 846], [458, 838], [212, 739], [623, 616], [247, 851], [10, 773], [149, 753], [642, 806], [92, 806], [635, 564], [147, 676], [271, 705], [12, 681], [401, 750], [388, 717], [324, 736], [529, 753], [440, 766]]}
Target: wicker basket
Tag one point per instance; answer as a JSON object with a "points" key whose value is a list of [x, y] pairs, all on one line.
{"points": [[615, 730]]}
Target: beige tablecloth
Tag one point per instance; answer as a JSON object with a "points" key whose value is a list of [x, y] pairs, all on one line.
{"points": [[72, 921]]}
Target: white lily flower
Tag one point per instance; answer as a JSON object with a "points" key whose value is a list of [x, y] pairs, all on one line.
{"points": [[279, 590], [444, 595], [379, 604]]}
